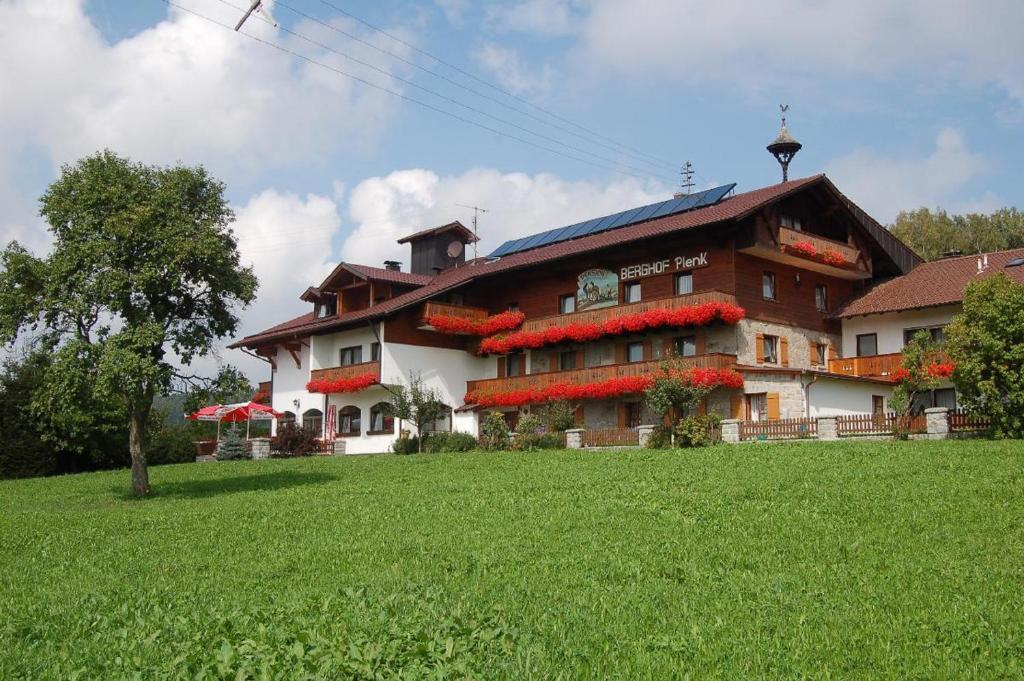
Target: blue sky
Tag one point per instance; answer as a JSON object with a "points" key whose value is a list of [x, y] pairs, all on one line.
{"points": [[903, 103]]}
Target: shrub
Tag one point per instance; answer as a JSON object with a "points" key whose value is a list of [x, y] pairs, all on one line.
{"points": [[529, 431], [407, 445], [494, 434], [449, 442], [560, 416], [660, 438], [696, 431], [232, 446], [291, 440], [172, 444]]}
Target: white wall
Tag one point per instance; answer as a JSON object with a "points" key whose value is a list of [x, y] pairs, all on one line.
{"points": [[325, 350], [890, 326], [290, 383], [838, 397]]}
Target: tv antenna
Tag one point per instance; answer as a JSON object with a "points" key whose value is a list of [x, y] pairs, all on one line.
{"points": [[687, 173], [476, 214], [256, 6]]}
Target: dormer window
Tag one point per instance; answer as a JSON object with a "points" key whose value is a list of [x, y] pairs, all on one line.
{"points": [[790, 222], [324, 308]]}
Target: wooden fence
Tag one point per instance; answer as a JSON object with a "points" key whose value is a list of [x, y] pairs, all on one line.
{"points": [[879, 424], [611, 437], [779, 429], [961, 421]]}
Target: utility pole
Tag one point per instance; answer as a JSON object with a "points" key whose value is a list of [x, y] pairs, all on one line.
{"points": [[476, 214], [256, 6]]}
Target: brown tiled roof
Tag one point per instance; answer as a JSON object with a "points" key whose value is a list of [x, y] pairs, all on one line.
{"points": [[391, 276], [451, 226], [940, 282], [732, 208]]}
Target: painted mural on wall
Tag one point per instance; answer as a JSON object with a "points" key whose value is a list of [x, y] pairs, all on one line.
{"points": [[597, 288]]}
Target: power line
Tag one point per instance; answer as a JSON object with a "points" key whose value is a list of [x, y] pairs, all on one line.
{"points": [[489, 84], [439, 95], [643, 158], [395, 93]]}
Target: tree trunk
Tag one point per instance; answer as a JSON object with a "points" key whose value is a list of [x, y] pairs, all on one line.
{"points": [[136, 438]]}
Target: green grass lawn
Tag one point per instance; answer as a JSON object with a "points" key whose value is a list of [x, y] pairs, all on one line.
{"points": [[891, 559]]}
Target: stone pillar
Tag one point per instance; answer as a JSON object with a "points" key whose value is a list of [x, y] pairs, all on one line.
{"points": [[644, 433], [937, 422], [731, 431], [574, 438], [260, 448], [827, 428], [339, 447]]}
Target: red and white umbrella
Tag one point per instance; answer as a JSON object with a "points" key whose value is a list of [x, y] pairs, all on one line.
{"points": [[235, 413]]}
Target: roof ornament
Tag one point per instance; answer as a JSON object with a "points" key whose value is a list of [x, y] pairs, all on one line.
{"points": [[784, 147], [687, 183]]}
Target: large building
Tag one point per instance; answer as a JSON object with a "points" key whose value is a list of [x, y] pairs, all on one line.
{"points": [[768, 283]]}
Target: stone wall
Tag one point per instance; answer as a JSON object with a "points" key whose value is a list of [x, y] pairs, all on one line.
{"points": [[799, 341], [791, 394]]}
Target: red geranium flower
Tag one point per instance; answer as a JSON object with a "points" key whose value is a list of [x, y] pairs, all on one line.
{"points": [[804, 248], [342, 385]]}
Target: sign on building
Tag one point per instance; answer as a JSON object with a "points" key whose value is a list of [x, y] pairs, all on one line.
{"points": [[597, 288]]}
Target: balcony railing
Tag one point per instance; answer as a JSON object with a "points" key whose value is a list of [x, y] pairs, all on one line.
{"points": [[433, 308], [869, 366], [263, 392], [346, 372], [596, 374], [789, 237], [606, 313]]}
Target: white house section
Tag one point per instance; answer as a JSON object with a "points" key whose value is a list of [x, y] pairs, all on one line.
{"points": [[889, 327]]}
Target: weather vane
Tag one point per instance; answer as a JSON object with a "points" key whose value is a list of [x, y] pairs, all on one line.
{"points": [[783, 108]]}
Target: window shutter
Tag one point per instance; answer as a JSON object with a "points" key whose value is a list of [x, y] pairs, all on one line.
{"points": [[502, 361], [784, 351], [773, 406], [648, 349], [702, 407], [759, 347], [622, 415], [831, 351], [620, 353], [667, 347], [579, 415], [555, 361], [736, 406], [701, 341]]}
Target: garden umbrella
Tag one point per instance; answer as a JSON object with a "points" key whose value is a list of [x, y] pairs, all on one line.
{"points": [[234, 413]]}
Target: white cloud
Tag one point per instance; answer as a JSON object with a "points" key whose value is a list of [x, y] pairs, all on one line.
{"points": [[884, 185], [453, 10], [751, 43], [385, 209], [540, 17], [510, 71]]}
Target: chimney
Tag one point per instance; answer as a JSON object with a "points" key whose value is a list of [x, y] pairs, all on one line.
{"points": [[393, 265]]}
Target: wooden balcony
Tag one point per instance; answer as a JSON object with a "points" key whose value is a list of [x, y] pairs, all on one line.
{"points": [[606, 313], [869, 366], [433, 308], [346, 372], [852, 266], [263, 392], [595, 374]]}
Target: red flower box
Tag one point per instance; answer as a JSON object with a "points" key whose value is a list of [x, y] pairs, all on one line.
{"points": [[504, 321], [833, 257], [578, 332], [342, 385], [804, 248], [941, 369], [613, 387]]}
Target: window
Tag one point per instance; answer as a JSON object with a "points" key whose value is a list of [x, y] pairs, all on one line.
{"points": [[515, 364], [567, 360], [287, 417], [351, 355], [381, 420], [635, 351], [684, 283], [938, 333], [768, 285], [790, 222], [757, 407], [313, 420], [631, 293], [632, 414], [567, 303], [820, 354], [456, 298], [821, 297], [512, 307], [877, 405], [944, 397], [867, 344], [686, 346], [770, 349], [349, 420], [375, 352], [325, 308], [442, 424]]}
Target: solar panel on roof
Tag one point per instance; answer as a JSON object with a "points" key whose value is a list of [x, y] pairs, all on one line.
{"points": [[614, 221]]}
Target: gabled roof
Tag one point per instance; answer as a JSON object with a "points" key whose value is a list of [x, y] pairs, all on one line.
{"points": [[460, 230], [391, 276], [940, 282], [732, 208]]}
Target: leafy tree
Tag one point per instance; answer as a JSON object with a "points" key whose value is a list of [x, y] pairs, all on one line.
{"points": [[671, 390], [228, 387], [143, 268], [933, 233], [986, 342], [917, 374], [494, 433], [416, 404], [560, 416]]}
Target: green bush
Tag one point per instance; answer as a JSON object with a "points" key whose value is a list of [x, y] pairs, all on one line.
{"points": [[172, 444], [660, 438], [292, 440], [407, 445], [529, 431], [560, 416], [449, 442], [494, 435], [232, 446], [696, 431]]}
